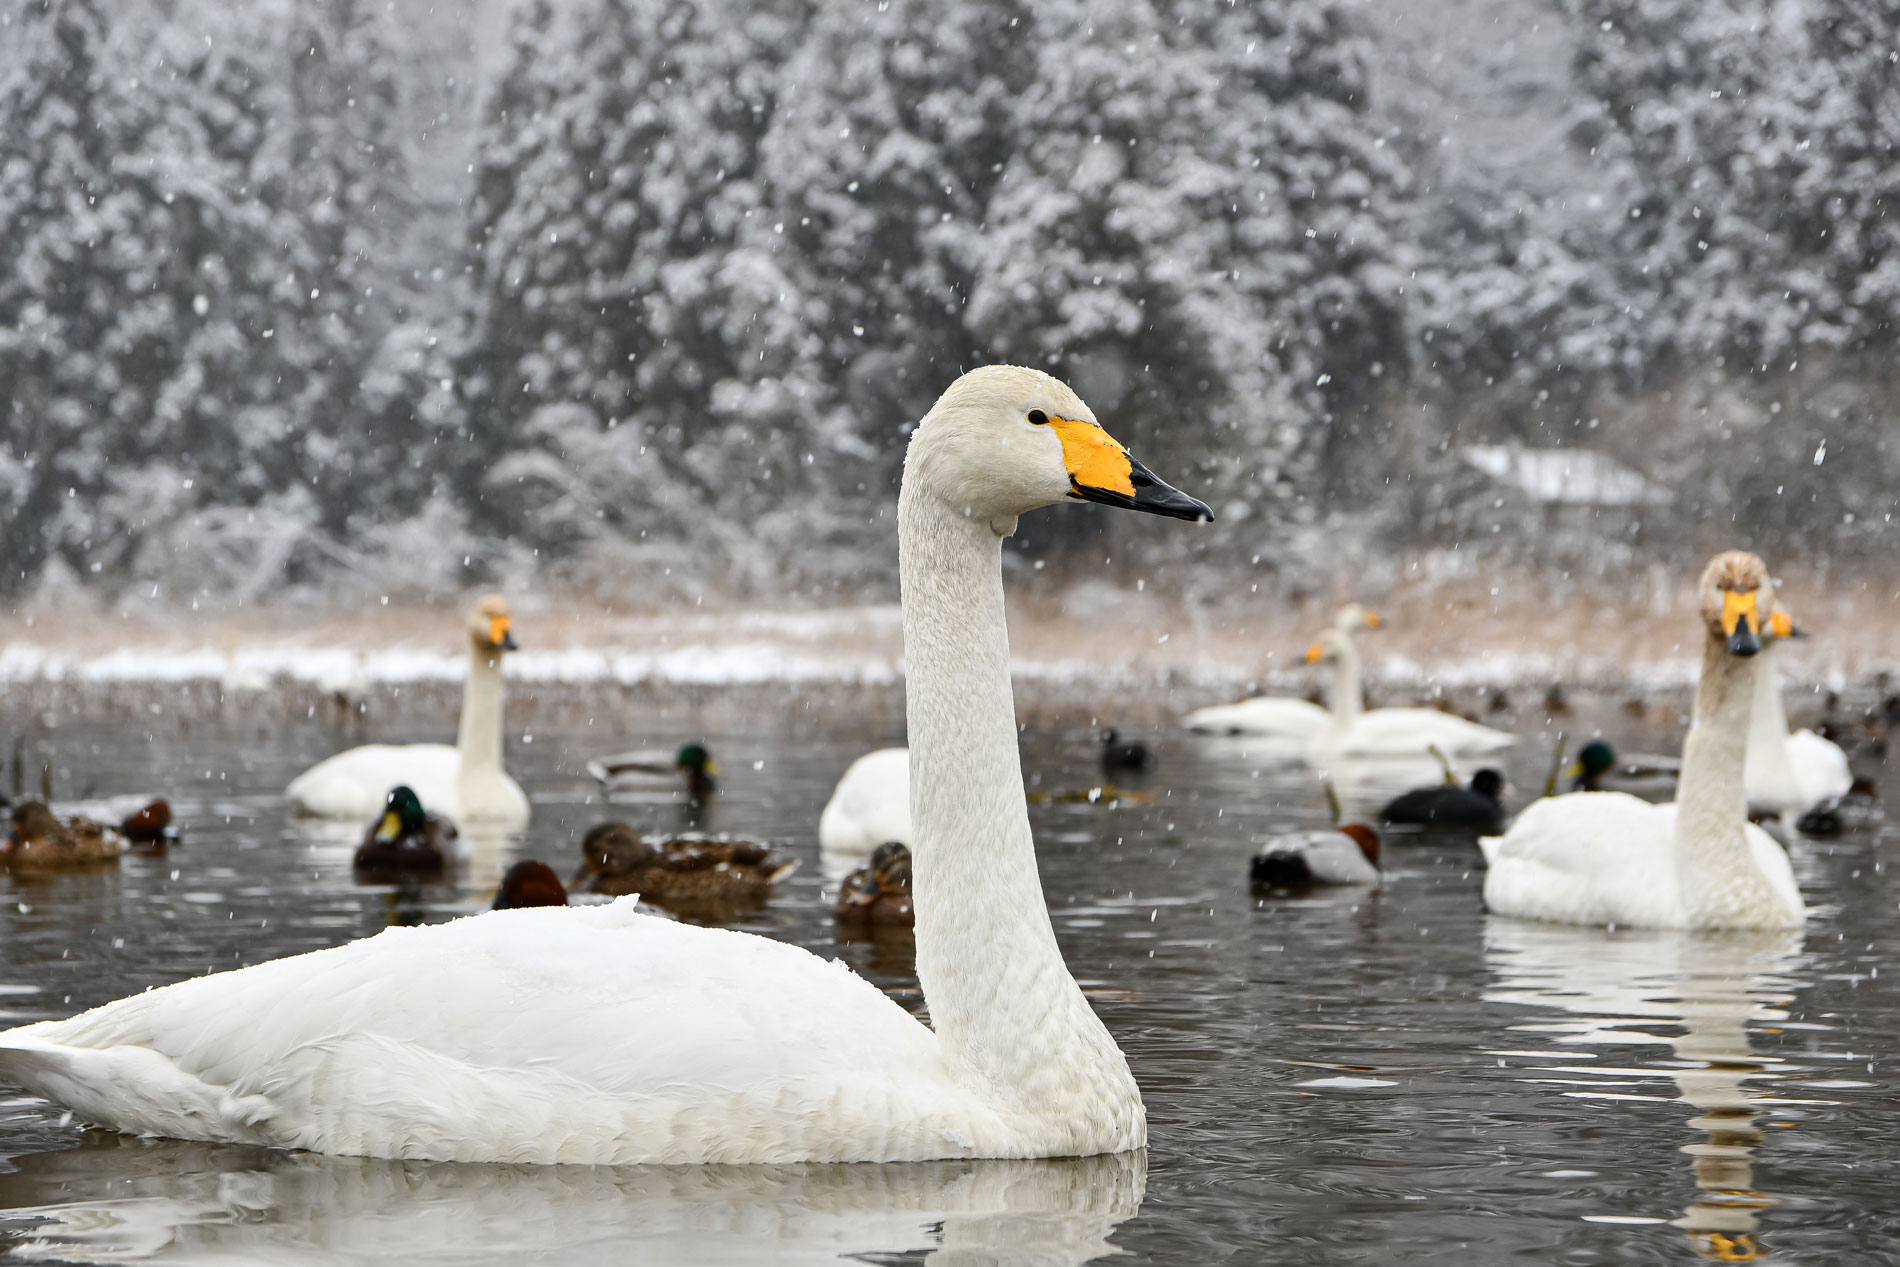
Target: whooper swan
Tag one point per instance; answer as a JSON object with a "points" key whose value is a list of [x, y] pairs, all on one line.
{"points": [[1610, 858], [602, 1035], [465, 784]]}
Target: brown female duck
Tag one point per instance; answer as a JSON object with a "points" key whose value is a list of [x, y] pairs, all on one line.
{"points": [[38, 843], [686, 871], [879, 893]]}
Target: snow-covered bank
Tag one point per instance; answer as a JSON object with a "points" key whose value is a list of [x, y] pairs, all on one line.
{"points": [[1122, 652]]}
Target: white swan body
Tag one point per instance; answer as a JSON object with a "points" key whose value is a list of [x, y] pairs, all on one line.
{"points": [[464, 783], [1276, 717], [1386, 733], [1607, 858], [1789, 773], [603, 1035], [1610, 858], [1281, 717], [870, 805]]}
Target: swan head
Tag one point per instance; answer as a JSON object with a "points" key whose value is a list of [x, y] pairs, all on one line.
{"points": [[1331, 646], [1353, 617], [1737, 601], [1003, 440], [489, 628]]}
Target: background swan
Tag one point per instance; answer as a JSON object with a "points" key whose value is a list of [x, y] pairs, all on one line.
{"points": [[1352, 732], [1279, 716], [465, 783], [870, 805], [1788, 773], [1609, 858], [604, 1035]]}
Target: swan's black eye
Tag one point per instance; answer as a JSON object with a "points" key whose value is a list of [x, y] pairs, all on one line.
{"points": [[1038, 417]]}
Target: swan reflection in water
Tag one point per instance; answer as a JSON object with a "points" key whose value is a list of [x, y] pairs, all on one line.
{"points": [[1621, 987], [115, 1198]]}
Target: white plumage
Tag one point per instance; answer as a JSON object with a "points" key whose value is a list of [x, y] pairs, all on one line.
{"points": [[603, 1035], [1788, 773], [1316, 857], [870, 805], [464, 783], [1609, 858], [1279, 719]]}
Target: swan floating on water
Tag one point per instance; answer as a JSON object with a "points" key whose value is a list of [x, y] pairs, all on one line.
{"points": [[1610, 858], [465, 783], [870, 805], [1788, 773], [1384, 733], [602, 1035], [1281, 717]]}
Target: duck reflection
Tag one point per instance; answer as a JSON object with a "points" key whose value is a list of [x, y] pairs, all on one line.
{"points": [[1623, 987], [115, 1198]]}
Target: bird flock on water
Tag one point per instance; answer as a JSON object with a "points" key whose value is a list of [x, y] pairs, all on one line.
{"points": [[634, 1035]]}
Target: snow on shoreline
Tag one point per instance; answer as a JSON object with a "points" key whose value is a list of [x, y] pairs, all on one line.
{"points": [[761, 663]]}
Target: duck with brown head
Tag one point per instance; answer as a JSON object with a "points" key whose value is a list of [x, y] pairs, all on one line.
{"points": [[1610, 858], [464, 783]]}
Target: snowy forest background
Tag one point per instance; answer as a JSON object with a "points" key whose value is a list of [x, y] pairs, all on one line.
{"points": [[305, 297]]}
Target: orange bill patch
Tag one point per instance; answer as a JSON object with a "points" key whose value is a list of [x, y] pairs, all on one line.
{"points": [[1736, 605], [497, 629], [1095, 458]]}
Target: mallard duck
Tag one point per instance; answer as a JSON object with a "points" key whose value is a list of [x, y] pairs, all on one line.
{"points": [[1598, 768], [465, 782], [1609, 858], [1476, 807], [38, 842], [530, 883], [606, 1037], [1339, 855], [686, 870], [879, 892], [150, 829], [406, 840], [637, 770], [1125, 756]]}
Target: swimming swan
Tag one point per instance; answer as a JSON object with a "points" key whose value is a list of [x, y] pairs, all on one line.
{"points": [[1382, 733], [1788, 772], [1279, 716], [464, 784], [601, 1035], [1610, 858], [870, 805]]}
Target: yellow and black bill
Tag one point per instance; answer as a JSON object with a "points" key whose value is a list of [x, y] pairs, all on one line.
{"points": [[1101, 470], [1742, 621], [501, 633]]}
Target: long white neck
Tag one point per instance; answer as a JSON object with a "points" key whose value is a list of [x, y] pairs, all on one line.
{"points": [[1771, 775], [1718, 879], [1007, 1012], [479, 739], [1347, 699]]}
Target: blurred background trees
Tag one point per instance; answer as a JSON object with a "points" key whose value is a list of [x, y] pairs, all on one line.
{"points": [[643, 297]]}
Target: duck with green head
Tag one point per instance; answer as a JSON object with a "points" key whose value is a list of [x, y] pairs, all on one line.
{"points": [[640, 771], [406, 839]]}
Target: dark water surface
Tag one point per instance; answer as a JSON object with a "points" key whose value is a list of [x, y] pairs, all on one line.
{"points": [[1348, 1077]]}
